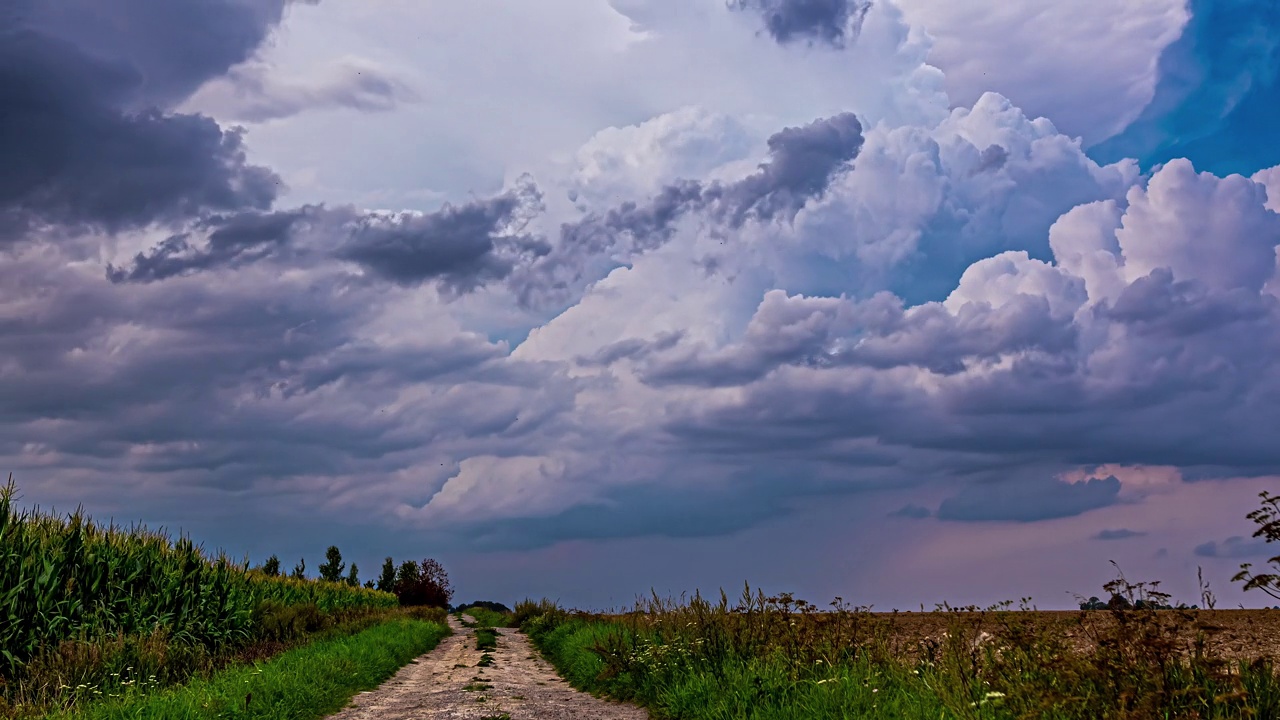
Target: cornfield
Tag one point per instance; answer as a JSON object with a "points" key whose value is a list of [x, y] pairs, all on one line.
{"points": [[66, 578]]}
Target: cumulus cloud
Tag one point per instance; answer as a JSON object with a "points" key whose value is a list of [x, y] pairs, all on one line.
{"points": [[801, 164], [1091, 72]]}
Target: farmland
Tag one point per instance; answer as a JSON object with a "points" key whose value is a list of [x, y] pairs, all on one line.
{"points": [[92, 612], [109, 622], [773, 657]]}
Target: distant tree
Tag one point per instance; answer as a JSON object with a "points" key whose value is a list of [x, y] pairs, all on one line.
{"points": [[486, 604], [300, 570], [436, 582], [1267, 519], [353, 577], [424, 583], [333, 566], [271, 566], [387, 580], [368, 584], [407, 575]]}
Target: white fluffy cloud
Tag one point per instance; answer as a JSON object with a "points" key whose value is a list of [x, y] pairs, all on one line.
{"points": [[1092, 68]]}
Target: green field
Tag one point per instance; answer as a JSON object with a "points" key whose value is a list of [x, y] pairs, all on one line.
{"points": [[91, 611]]}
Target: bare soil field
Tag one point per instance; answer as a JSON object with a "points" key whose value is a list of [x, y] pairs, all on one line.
{"points": [[1233, 634]]}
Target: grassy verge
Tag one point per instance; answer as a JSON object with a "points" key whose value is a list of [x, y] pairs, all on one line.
{"points": [[770, 659], [307, 682]]}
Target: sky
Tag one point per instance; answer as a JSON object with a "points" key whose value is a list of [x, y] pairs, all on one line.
{"points": [[901, 301]]}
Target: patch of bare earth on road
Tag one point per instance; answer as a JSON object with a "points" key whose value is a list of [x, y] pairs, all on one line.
{"points": [[448, 683]]}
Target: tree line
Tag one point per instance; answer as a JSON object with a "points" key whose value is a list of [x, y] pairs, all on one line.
{"points": [[413, 582]]}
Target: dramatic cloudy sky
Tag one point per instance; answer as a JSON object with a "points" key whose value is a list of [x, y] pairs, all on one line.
{"points": [[898, 300]]}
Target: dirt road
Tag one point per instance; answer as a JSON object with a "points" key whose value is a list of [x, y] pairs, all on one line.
{"points": [[448, 683]]}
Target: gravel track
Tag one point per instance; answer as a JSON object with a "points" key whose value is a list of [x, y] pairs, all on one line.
{"points": [[447, 683]]}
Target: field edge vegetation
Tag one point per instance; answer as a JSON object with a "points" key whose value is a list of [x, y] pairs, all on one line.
{"points": [[305, 683], [93, 611], [1132, 658]]}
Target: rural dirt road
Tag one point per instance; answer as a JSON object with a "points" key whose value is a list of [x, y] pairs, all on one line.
{"points": [[447, 683]]}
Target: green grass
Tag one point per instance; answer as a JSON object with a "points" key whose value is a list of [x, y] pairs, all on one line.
{"points": [[486, 639], [486, 618], [305, 683]]}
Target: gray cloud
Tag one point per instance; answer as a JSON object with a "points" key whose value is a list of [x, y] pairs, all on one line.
{"points": [[1029, 501], [235, 239], [252, 92], [1234, 547], [167, 49], [84, 131], [829, 21], [802, 162], [916, 512], [461, 247], [1119, 534]]}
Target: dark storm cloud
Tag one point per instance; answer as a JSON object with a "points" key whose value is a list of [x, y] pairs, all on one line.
{"points": [[1235, 547], [235, 239], [169, 48], [1029, 501], [802, 162], [461, 247], [84, 129], [829, 21], [1119, 534]]}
